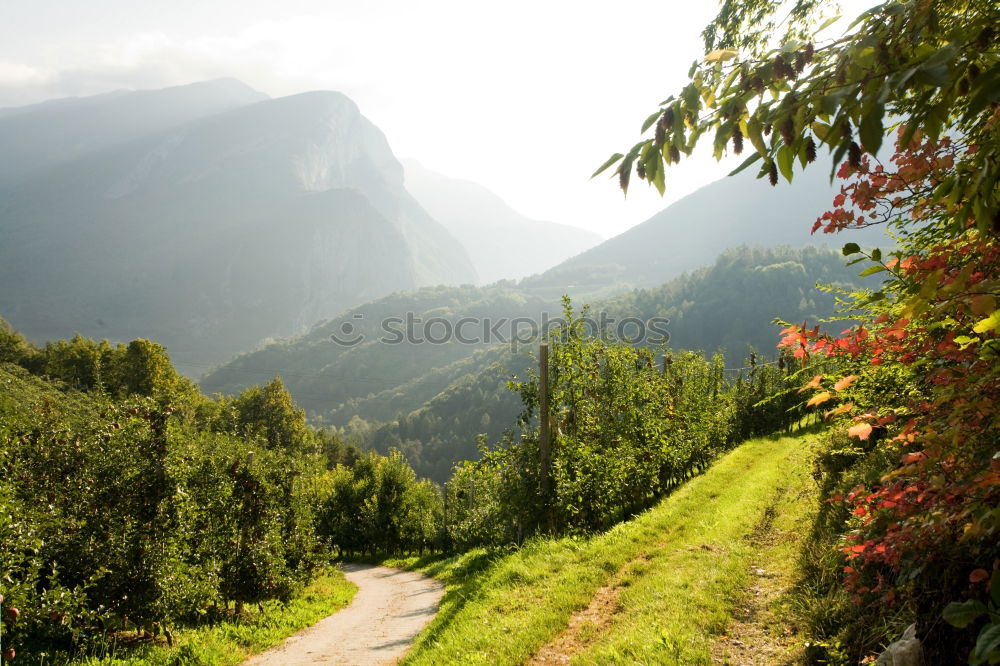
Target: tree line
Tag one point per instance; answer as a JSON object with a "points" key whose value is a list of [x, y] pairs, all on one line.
{"points": [[128, 500], [628, 426]]}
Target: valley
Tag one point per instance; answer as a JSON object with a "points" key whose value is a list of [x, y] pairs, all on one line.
{"points": [[317, 345]]}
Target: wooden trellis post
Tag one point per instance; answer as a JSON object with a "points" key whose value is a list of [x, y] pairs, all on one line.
{"points": [[545, 434]]}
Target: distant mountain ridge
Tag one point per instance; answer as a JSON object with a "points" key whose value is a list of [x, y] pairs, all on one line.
{"points": [[431, 400], [725, 214], [503, 243], [57, 131], [209, 234]]}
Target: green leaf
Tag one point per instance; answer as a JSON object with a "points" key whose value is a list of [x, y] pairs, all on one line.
{"points": [[942, 56], [803, 154], [691, 96], [851, 248], [872, 271], [611, 160], [650, 120], [721, 55], [830, 103], [991, 323], [871, 129], [936, 75], [876, 255], [985, 90], [930, 285], [658, 178], [747, 162], [962, 614], [883, 92], [653, 161], [821, 130], [756, 134], [827, 23], [786, 156], [987, 648], [838, 155], [791, 46], [861, 17]]}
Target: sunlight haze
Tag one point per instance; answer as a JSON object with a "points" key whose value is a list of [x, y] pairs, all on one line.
{"points": [[524, 98]]}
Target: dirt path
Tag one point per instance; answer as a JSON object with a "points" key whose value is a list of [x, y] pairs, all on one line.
{"points": [[586, 626], [760, 632], [387, 612]]}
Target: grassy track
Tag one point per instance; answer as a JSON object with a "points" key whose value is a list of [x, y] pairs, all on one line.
{"points": [[673, 576]]}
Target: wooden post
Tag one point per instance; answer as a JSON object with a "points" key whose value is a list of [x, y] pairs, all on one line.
{"points": [[545, 435], [444, 513]]}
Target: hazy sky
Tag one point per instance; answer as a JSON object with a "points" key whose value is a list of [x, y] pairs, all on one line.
{"points": [[526, 98]]}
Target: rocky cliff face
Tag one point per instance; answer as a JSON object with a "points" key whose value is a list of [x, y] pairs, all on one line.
{"points": [[218, 231]]}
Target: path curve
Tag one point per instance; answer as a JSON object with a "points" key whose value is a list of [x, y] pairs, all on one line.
{"points": [[389, 609]]}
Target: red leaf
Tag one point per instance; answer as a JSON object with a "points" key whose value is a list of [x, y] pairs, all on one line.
{"points": [[843, 409], [978, 576], [861, 431], [814, 383], [845, 382], [819, 399]]}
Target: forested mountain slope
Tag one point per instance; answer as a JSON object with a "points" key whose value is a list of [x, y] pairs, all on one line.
{"points": [[730, 305], [324, 373], [432, 400], [218, 233], [691, 232]]}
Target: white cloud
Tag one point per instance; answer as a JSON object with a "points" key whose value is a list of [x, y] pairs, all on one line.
{"points": [[18, 74]]}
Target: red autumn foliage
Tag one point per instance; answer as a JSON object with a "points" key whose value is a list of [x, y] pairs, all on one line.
{"points": [[938, 509]]}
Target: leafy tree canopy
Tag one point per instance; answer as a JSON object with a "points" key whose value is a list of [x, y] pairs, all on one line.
{"points": [[927, 65], [915, 387]]}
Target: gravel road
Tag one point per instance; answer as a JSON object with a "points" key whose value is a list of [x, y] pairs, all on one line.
{"points": [[388, 611]]}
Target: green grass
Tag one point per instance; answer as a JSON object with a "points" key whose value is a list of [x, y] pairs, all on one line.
{"points": [[677, 594], [227, 643]]}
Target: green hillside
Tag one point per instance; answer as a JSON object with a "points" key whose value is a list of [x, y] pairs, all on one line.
{"points": [[144, 523], [324, 375], [445, 430], [663, 588], [432, 400], [754, 284], [727, 306], [730, 305]]}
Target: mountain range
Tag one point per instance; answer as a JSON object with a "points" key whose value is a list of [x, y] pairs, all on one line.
{"points": [[690, 233], [212, 218], [244, 233], [502, 243]]}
